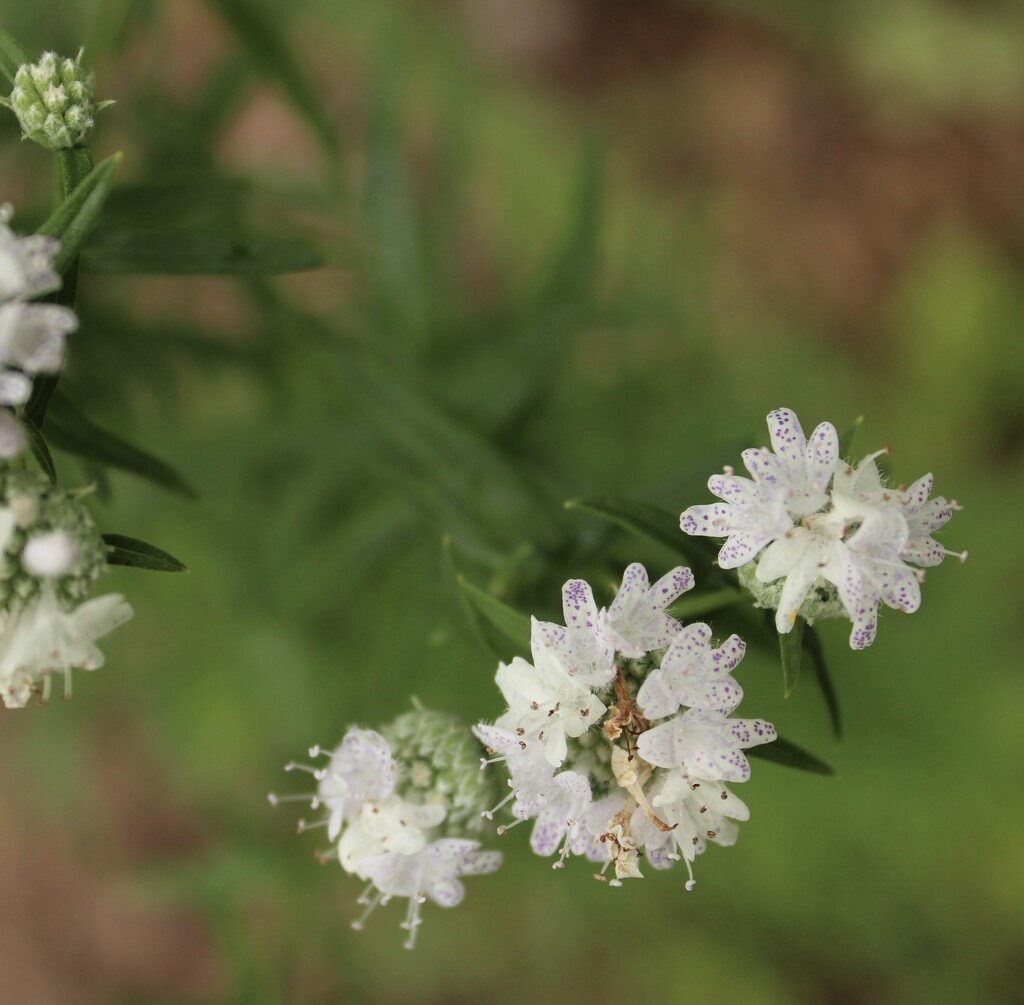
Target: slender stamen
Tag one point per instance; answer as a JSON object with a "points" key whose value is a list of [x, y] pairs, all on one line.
{"points": [[370, 905]]}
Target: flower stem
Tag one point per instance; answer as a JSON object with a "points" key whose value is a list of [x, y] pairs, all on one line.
{"points": [[73, 164]]}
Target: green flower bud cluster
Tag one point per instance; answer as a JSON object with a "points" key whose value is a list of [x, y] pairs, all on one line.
{"points": [[53, 99], [40, 509], [441, 764]]}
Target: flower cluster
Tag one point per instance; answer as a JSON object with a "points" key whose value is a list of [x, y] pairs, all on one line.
{"points": [[54, 100], [400, 808], [618, 738], [814, 536], [51, 554], [31, 334]]}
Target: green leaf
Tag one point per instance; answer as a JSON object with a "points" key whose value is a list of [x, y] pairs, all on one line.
{"points": [[511, 625], [72, 432], [40, 450], [637, 517], [847, 439], [72, 220], [816, 652], [131, 551], [693, 605], [791, 648], [185, 253], [572, 272], [263, 36], [12, 55], [789, 754]]}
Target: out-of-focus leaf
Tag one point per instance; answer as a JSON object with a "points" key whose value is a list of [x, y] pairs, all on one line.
{"points": [[791, 648], [847, 439], [471, 470], [571, 275], [816, 652], [141, 205], [789, 754], [131, 551], [72, 220], [695, 605], [39, 449], [263, 36], [394, 275], [641, 518], [512, 625], [71, 431], [183, 253], [12, 55]]}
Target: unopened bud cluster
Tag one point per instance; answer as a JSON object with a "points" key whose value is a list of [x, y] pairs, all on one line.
{"points": [[53, 99]]}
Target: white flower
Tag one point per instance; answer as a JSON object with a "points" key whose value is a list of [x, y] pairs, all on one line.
{"points": [[750, 516], [705, 743], [360, 770], [43, 638], [528, 767], [26, 263], [563, 817], [48, 555], [390, 826], [637, 622], [580, 648], [924, 516], [697, 810], [693, 674], [547, 704], [432, 872], [799, 468]]}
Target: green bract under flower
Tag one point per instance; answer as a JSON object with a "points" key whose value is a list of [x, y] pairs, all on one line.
{"points": [[54, 101], [52, 541]]}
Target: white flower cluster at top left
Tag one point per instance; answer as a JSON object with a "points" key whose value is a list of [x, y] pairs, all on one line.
{"points": [[31, 334]]}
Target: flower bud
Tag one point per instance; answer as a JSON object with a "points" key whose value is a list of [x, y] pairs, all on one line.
{"points": [[53, 100]]}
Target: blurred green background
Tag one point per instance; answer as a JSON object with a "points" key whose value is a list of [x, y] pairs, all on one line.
{"points": [[575, 248]]}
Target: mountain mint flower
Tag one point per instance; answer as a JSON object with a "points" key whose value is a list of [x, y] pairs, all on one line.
{"points": [[32, 335], [54, 100], [44, 638], [619, 792], [813, 536], [400, 805]]}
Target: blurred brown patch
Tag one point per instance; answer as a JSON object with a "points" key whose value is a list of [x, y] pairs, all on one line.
{"points": [[73, 930], [822, 192]]}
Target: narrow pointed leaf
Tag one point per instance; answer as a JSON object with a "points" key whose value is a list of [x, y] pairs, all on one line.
{"points": [[695, 605], [512, 626], [814, 650], [263, 37], [131, 551], [72, 432], [12, 55], [72, 220], [791, 756], [847, 439], [39, 449], [791, 648], [571, 275], [640, 518], [186, 253]]}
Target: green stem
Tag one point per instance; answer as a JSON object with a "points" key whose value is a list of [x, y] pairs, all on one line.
{"points": [[73, 165]]}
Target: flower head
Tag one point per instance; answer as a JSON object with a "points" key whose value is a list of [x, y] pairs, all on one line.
{"points": [[815, 537], [54, 100]]}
